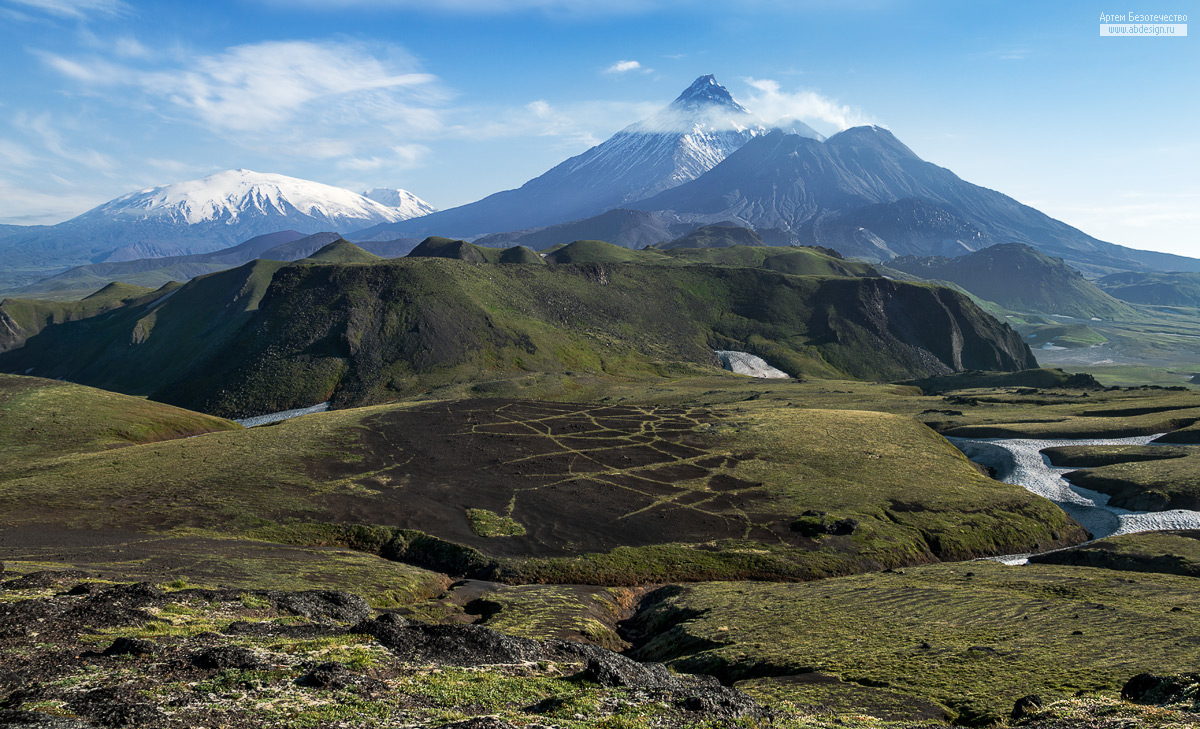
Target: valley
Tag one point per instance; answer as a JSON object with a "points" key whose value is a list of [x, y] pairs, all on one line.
{"points": [[723, 422]]}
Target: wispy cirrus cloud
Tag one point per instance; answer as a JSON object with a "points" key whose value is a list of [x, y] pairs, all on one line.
{"points": [[73, 9], [769, 101], [278, 96], [43, 127]]}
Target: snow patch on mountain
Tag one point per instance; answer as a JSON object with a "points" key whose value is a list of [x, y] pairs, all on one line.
{"points": [[409, 205]]}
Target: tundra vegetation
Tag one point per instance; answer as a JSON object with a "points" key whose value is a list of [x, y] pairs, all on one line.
{"points": [[473, 535]]}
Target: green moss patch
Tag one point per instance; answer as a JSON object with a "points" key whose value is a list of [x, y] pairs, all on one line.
{"points": [[490, 524]]}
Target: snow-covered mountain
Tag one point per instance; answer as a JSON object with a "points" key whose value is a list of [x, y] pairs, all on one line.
{"points": [[235, 197], [197, 216], [679, 143], [409, 205]]}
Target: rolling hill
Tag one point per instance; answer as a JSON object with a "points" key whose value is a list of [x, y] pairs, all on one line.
{"points": [[271, 336]]}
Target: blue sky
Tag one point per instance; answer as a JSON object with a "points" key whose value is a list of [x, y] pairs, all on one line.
{"points": [[103, 97]]}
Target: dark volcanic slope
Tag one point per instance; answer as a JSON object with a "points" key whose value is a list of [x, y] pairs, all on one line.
{"points": [[268, 336]]}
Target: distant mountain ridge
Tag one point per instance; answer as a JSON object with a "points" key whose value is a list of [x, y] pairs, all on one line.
{"points": [[1156, 289], [1021, 278], [800, 190], [287, 245]]}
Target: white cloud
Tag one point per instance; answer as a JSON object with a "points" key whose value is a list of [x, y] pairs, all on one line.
{"points": [[771, 103], [576, 125], [74, 9], [623, 67], [130, 47], [265, 85]]}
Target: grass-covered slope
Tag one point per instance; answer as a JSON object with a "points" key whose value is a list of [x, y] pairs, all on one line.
{"points": [[45, 418], [1141, 484], [368, 332], [797, 260], [364, 334], [1020, 278], [460, 250], [24, 318], [1173, 553], [598, 251], [972, 638], [153, 339]]}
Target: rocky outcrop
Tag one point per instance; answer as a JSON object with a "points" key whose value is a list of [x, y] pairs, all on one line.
{"points": [[45, 641]]}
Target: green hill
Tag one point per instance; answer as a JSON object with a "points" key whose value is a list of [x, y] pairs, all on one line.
{"points": [[342, 251], [1020, 278], [459, 250], [270, 336], [1157, 289], [136, 346], [520, 254], [598, 251]]}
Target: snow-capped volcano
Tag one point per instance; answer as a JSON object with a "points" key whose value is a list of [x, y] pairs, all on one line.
{"points": [[409, 205], [198, 216], [235, 196], [679, 143]]}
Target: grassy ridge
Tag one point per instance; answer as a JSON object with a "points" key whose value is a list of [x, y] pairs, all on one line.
{"points": [[24, 318], [366, 334], [347, 326], [42, 419], [136, 347]]}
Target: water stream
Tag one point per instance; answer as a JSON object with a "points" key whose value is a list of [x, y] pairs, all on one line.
{"points": [[1020, 462], [282, 415]]}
